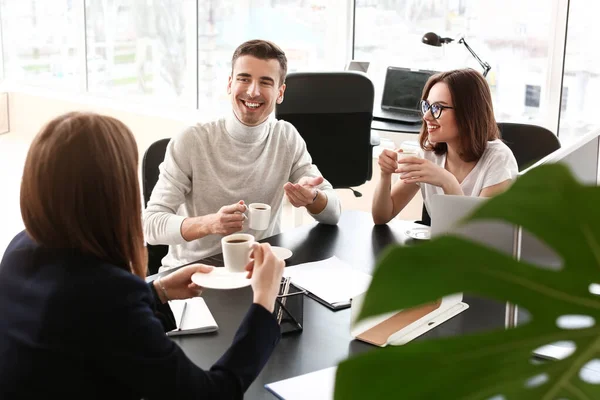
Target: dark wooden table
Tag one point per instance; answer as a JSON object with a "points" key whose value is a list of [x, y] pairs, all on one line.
{"points": [[325, 340]]}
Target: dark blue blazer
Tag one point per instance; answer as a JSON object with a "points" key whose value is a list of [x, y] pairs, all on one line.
{"points": [[74, 326]]}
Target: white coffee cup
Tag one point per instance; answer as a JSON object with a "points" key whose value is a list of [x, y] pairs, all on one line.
{"points": [[259, 216], [409, 149], [405, 154], [236, 251]]}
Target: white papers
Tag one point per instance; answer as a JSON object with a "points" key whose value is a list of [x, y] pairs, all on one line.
{"points": [[318, 385], [332, 280], [192, 316]]}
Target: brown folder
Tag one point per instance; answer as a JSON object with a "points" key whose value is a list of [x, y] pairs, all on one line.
{"points": [[379, 334]]}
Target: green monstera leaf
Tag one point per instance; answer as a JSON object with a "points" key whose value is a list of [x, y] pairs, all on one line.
{"points": [[550, 204]]}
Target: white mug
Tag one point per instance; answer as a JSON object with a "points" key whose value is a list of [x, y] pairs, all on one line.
{"points": [[259, 216], [236, 251], [407, 151], [405, 154]]}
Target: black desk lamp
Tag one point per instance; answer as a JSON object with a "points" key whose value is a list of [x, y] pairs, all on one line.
{"points": [[434, 39]]}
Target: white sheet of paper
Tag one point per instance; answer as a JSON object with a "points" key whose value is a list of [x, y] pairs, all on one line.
{"points": [[332, 279], [318, 385]]}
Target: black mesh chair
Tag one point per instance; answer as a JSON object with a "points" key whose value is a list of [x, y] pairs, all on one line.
{"points": [[529, 144], [154, 155], [333, 111]]}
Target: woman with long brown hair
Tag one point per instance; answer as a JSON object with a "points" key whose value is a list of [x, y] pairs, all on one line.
{"points": [[77, 318], [460, 148]]}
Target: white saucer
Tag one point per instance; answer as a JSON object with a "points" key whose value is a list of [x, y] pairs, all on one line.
{"points": [[282, 252], [220, 278], [423, 233]]}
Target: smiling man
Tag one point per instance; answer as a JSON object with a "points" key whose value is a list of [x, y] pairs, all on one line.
{"points": [[212, 170]]}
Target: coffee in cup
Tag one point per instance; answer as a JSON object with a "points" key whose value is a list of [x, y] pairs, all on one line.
{"points": [[236, 251]]}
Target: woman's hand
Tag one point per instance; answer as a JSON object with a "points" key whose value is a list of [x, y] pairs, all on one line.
{"points": [[265, 270], [179, 285], [420, 170], [388, 161]]}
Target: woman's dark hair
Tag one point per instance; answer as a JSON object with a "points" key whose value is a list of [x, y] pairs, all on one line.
{"points": [[80, 190], [473, 110]]}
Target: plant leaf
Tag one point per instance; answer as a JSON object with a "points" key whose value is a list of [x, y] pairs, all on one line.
{"points": [[551, 205]]}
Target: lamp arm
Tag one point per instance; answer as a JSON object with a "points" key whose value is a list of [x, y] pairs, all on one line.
{"points": [[486, 67]]}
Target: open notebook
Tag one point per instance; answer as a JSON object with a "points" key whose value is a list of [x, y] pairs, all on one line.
{"points": [[192, 316], [332, 282]]}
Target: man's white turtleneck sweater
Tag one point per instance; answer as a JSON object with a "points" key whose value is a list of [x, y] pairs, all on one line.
{"points": [[208, 166]]}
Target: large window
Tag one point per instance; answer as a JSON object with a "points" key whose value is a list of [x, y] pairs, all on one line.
{"points": [[313, 34], [42, 42], [515, 44], [581, 81], [142, 49], [176, 53]]}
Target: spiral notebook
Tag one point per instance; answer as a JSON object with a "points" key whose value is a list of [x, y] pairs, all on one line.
{"points": [[192, 316]]}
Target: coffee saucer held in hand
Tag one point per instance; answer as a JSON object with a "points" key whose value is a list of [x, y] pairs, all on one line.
{"points": [[281, 252], [221, 278]]}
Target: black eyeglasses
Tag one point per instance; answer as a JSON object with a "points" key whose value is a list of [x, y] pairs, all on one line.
{"points": [[436, 109]]}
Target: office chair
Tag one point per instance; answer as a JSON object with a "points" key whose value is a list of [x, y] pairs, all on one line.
{"points": [[333, 113], [154, 155], [529, 144]]}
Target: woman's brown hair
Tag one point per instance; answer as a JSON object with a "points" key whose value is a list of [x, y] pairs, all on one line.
{"points": [[80, 190], [473, 110]]}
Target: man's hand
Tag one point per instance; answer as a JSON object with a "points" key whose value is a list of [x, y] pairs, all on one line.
{"points": [[229, 219], [303, 193]]}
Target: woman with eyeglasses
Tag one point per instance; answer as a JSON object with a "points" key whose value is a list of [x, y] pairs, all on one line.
{"points": [[77, 319], [460, 148]]}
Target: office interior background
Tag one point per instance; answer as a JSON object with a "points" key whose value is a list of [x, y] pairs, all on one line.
{"points": [[160, 64], [175, 54]]}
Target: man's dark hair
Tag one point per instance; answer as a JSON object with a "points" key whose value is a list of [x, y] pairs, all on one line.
{"points": [[263, 50]]}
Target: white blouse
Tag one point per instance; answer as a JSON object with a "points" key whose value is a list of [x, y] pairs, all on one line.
{"points": [[496, 165]]}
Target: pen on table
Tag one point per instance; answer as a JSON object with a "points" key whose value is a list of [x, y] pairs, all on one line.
{"points": [[182, 314], [282, 287], [292, 294], [286, 288], [291, 315]]}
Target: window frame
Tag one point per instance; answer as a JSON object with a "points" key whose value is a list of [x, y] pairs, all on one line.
{"points": [[550, 98]]}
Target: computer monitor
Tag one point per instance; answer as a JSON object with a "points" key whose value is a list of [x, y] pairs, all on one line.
{"points": [[403, 88], [580, 155], [361, 66]]}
